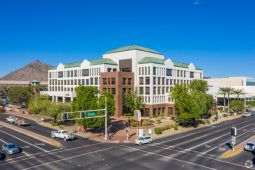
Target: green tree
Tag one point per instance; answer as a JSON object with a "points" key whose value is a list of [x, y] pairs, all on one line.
{"points": [[55, 110], [17, 94], [109, 101], [86, 98], [191, 101], [223, 91], [238, 92], [133, 101], [4, 90], [237, 106], [38, 104]]}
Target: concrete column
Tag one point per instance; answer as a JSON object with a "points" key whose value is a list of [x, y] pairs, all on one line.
{"points": [[64, 99], [71, 98], [56, 99]]}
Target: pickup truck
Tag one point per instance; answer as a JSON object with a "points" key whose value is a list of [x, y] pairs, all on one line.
{"points": [[22, 122], [62, 134], [11, 119]]}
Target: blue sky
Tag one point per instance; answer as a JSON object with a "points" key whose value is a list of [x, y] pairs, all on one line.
{"points": [[216, 35]]}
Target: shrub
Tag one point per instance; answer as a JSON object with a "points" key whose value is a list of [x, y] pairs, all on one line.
{"points": [[128, 114], [175, 127], [158, 131], [208, 122], [133, 123], [202, 122], [225, 115]]}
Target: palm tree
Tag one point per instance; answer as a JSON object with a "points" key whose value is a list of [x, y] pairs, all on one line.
{"points": [[229, 91], [238, 92], [223, 91]]}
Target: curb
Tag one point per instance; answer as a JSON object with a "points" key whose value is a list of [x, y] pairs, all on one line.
{"points": [[33, 135], [231, 153]]}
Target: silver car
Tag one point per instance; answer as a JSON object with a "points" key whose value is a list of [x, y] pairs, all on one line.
{"points": [[250, 146], [143, 140], [10, 148]]}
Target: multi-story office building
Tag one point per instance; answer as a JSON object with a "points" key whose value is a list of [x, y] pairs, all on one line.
{"points": [[137, 68]]}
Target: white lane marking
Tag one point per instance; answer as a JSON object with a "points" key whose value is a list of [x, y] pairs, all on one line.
{"points": [[24, 141], [25, 147], [68, 158], [39, 144], [169, 157], [224, 143], [200, 137], [196, 146], [199, 155], [190, 134], [55, 151]]}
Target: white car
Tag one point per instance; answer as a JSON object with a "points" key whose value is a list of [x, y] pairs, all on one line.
{"points": [[143, 140], [62, 134], [250, 146], [11, 119], [246, 114]]}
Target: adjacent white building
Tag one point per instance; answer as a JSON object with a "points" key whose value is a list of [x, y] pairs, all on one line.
{"points": [[154, 76]]}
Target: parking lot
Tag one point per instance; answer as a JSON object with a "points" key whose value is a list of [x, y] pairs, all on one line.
{"points": [[198, 149]]}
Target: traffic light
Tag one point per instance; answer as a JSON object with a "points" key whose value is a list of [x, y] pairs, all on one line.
{"points": [[233, 131]]}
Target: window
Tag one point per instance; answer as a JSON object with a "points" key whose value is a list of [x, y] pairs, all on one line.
{"points": [[124, 81], [91, 81], [96, 81], [163, 81], [191, 74], [159, 80], [85, 72], [147, 90], [104, 81], [149, 71], [114, 70], [147, 80], [154, 90], [167, 81], [68, 73], [178, 73], [129, 81], [72, 73], [159, 90], [113, 91], [113, 80], [141, 80], [168, 72], [87, 81], [154, 70], [141, 90], [75, 73], [154, 80], [60, 74]]}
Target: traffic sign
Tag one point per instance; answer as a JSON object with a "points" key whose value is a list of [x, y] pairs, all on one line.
{"points": [[137, 115], [233, 131], [233, 140], [91, 114]]}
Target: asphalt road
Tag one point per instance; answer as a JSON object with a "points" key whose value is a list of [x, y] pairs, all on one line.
{"points": [[197, 149]]}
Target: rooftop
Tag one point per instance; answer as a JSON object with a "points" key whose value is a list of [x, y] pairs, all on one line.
{"points": [[103, 61], [132, 47], [151, 60]]}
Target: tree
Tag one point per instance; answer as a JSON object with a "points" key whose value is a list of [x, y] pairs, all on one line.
{"points": [[4, 90], [109, 101], [55, 110], [133, 101], [199, 85], [17, 94], [229, 91], [238, 92], [86, 98], [191, 101], [223, 91], [237, 106]]}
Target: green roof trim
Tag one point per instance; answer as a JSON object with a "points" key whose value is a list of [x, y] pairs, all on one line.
{"points": [[103, 61], [151, 60], [180, 64], [132, 47], [74, 64]]}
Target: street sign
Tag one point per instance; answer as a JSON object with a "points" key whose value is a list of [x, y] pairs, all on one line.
{"points": [[140, 133], [91, 114]]}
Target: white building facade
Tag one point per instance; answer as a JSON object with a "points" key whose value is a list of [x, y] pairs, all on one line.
{"points": [[154, 76]]}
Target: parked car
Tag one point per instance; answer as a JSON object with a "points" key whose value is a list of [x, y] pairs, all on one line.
{"points": [[246, 114], [22, 122], [62, 134], [2, 156], [143, 140], [250, 146], [10, 148], [11, 119]]}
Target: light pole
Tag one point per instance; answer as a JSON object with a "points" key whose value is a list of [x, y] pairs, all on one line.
{"points": [[105, 123]]}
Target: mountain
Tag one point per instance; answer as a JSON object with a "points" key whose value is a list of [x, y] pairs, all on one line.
{"points": [[36, 70]]}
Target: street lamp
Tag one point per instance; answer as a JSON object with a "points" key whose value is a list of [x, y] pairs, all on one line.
{"points": [[105, 123]]}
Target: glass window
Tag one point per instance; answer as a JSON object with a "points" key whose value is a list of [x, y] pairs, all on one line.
{"points": [[168, 72], [154, 80], [96, 81], [154, 70], [129, 81], [191, 74], [147, 90], [147, 80], [85, 72], [113, 80], [141, 80], [60, 74], [124, 81], [91, 81], [113, 91], [141, 90], [154, 90]]}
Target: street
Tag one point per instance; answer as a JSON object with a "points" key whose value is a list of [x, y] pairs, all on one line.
{"points": [[197, 149]]}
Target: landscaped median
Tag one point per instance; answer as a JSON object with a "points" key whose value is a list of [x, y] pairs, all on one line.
{"points": [[237, 149], [32, 135]]}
